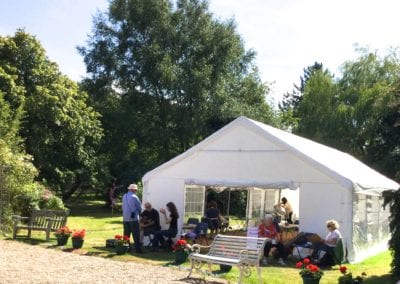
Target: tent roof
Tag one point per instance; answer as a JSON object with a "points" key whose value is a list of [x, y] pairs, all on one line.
{"points": [[340, 166]]}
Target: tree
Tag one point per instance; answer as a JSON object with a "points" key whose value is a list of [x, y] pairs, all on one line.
{"points": [[291, 101], [59, 130], [357, 113], [392, 200], [164, 78]]}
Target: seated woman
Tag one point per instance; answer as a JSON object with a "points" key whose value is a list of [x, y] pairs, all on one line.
{"points": [[172, 220], [267, 229], [327, 245], [213, 217]]}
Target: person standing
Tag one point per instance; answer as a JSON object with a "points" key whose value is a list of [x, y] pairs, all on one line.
{"points": [[288, 210], [131, 208]]}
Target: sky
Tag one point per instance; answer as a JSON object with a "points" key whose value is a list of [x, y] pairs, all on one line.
{"points": [[287, 35]]}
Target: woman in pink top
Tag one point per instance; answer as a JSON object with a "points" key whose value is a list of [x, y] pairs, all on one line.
{"points": [[268, 229]]}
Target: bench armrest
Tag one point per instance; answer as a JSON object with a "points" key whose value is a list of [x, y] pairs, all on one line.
{"points": [[196, 248], [17, 218]]}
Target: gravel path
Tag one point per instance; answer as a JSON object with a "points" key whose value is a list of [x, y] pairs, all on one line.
{"points": [[23, 263]]}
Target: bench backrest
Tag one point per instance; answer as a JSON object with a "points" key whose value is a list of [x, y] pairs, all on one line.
{"points": [[39, 218], [232, 246]]}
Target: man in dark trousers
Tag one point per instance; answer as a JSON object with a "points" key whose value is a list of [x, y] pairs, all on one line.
{"points": [[131, 208]]}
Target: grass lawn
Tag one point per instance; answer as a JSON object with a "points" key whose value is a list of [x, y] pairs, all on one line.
{"points": [[101, 225]]}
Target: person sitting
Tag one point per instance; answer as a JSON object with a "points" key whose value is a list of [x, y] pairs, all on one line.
{"points": [[213, 217], [149, 221], [326, 246], [172, 220], [267, 229]]}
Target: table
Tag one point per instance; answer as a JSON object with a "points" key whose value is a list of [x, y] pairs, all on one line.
{"points": [[288, 231], [188, 227]]}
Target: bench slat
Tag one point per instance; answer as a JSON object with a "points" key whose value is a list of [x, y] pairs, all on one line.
{"points": [[42, 220], [234, 251]]}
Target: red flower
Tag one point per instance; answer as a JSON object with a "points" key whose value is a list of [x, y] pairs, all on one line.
{"points": [[299, 264], [343, 269], [306, 261], [79, 234], [180, 245], [126, 238], [314, 268], [118, 237]]}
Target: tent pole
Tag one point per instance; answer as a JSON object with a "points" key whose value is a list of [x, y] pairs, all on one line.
{"points": [[229, 201]]}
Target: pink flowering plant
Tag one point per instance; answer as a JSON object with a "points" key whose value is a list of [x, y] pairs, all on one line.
{"points": [[309, 270]]}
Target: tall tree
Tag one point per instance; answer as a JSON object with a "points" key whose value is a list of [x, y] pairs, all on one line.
{"points": [[357, 113], [289, 106], [59, 129], [172, 75]]}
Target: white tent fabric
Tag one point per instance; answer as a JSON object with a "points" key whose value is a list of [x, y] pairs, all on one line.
{"points": [[246, 153]]}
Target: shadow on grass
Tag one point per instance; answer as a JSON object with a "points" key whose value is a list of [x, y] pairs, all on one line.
{"points": [[382, 279], [30, 241]]}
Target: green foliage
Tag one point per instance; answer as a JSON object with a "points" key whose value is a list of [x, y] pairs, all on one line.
{"points": [[357, 113], [59, 129], [392, 199], [164, 78]]}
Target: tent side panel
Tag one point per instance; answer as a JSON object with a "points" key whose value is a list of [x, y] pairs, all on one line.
{"points": [[370, 226], [322, 202], [160, 191]]}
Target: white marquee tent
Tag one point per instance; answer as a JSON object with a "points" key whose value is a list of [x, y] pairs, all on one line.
{"points": [[321, 183]]}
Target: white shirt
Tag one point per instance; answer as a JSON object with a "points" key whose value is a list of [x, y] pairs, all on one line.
{"points": [[335, 234]]}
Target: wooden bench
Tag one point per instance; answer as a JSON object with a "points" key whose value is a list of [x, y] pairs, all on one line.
{"points": [[41, 220], [243, 252]]}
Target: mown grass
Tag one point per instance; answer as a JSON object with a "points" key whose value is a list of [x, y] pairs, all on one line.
{"points": [[101, 225]]}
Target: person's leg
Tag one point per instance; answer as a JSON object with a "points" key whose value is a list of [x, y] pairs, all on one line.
{"points": [[289, 219], [136, 236], [128, 230], [156, 240], [281, 250], [267, 249]]}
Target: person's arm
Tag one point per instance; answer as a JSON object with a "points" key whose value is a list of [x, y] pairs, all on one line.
{"points": [[163, 212], [261, 231]]}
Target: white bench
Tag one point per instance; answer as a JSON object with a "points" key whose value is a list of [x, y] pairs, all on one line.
{"points": [[243, 252]]}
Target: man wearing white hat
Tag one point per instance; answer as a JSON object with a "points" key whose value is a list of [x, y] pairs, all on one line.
{"points": [[131, 208]]}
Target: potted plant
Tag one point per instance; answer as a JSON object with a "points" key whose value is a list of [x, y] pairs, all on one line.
{"points": [[77, 238], [62, 234], [310, 273], [347, 277], [121, 244], [181, 249]]}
